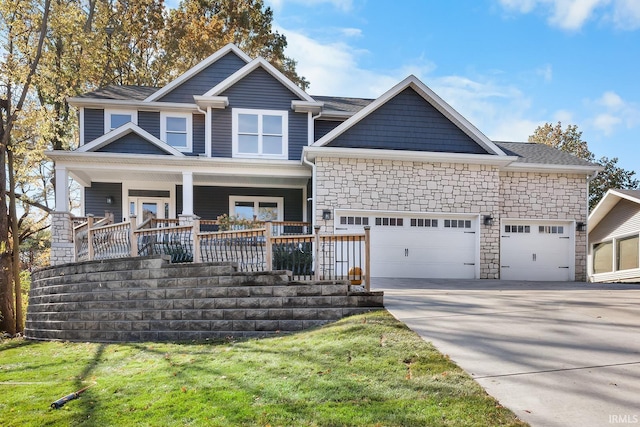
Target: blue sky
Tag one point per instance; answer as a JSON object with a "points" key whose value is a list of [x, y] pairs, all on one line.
{"points": [[506, 65]]}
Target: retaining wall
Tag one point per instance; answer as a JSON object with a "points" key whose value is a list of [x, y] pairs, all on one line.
{"points": [[150, 299]]}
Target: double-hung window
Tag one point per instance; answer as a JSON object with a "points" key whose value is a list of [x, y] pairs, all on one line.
{"points": [[260, 133], [113, 119], [176, 130]]}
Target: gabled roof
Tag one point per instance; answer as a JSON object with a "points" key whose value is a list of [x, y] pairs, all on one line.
{"points": [[414, 83], [123, 93], [123, 130], [250, 67], [529, 152], [609, 200], [340, 104], [197, 68]]}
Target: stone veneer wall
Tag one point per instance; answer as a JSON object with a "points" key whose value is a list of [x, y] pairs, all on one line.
{"points": [[535, 195], [413, 186], [371, 184], [62, 247]]}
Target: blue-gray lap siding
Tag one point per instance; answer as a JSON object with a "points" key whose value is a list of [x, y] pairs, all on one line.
{"points": [[93, 124], [205, 79], [408, 122], [95, 199], [150, 121], [258, 90], [323, 127], [211, 202], [132, 143]]}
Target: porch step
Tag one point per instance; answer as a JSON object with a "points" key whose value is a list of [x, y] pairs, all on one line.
{"points": [[139, 299]]}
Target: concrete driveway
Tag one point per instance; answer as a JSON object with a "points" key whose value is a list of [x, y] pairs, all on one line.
{"points": [[556, 354]]}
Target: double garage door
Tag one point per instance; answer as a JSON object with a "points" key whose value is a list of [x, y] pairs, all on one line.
{"points": [[417, 245]]}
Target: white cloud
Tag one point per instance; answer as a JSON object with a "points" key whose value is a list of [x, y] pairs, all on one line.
{"points": [[611, 100], [546, 72], [333, 68], [611, 113], [572, 15], [563, 116], [606, 123], [351, 32]]}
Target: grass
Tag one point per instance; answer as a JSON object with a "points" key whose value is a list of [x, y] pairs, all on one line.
{"points": [[367, 370]]}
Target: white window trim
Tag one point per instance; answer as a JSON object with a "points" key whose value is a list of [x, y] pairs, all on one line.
{"points": [[163, 129], [285, 133], [614, 254], [107, 117], [256, 200]]}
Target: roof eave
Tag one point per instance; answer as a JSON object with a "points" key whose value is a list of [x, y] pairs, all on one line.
{"points": [[141, 105], [311, 152], [551, 168]]}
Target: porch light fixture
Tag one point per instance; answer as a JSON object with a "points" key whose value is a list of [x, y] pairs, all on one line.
{"points": [[581, 226], [487, 220], [109, 200], [326, 214]]}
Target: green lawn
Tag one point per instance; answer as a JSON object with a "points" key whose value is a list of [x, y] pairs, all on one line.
{"points": [[367, 370]]}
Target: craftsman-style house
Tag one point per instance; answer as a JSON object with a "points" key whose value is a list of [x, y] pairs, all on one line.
{"points": [[234, 136]]}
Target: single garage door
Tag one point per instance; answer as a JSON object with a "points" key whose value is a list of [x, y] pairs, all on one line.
{"points": [[532, 250], [417, 245]]}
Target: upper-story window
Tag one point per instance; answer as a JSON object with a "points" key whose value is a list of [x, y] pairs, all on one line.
{"points": [[113, 119], [260, 133], [176, 130]]}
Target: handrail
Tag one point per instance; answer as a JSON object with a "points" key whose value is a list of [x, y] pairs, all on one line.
{"points": [[270, 247]]}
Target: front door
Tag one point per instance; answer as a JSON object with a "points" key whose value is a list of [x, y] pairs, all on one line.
{"points": [[145, 208]]}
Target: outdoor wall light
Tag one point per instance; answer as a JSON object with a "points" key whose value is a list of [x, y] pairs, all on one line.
{"points": [[581, 226], [487, 220], [109, 200], [326, 214]]}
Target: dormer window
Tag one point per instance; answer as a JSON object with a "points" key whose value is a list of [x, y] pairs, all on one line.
{"points": [[176, 130], [113, 119], [260, 133]]}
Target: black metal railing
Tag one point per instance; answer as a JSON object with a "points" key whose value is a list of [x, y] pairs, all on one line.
{"points": [[177, 242], [246, 247]]}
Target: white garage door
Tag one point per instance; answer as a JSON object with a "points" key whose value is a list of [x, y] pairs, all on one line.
{"points": [[532, 250], [417, 245]]}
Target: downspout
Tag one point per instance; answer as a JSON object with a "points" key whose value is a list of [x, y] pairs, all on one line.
{"points": [[313, 169], [207, 130], [588, 267], [313, 188]]}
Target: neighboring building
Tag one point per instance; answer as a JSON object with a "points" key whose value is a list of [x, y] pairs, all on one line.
{"points": [[614, 243], [234, 135]]}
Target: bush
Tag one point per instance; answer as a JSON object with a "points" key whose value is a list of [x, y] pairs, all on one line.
{"points": [[296, 257]]}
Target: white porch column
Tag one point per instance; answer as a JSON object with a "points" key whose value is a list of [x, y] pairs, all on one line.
{"points": [[62, 189], [187, 193]]}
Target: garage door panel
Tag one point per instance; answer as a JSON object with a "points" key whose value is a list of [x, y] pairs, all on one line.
{"points": [[421, 248], [536, 251]]}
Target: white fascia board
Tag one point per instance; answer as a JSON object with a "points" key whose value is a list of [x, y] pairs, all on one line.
{"points": [[125, 129], [433, 99], [250, 67], [608, 201], [203, 165], [139, 105], [544, 168], [312, 152], [306, 106], [197, 68], [217, 102]]}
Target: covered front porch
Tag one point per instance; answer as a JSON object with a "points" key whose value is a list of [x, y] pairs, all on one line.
{"points": [[168, 187]]}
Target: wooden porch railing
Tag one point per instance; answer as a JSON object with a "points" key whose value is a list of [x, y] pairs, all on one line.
{"points": [[277, 245]]}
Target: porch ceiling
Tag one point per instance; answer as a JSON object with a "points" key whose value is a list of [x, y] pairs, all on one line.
{"points": [[109, 167]]}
